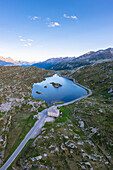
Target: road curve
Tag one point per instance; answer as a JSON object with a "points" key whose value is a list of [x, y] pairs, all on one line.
{"points": [[37, 127], [82, 97]]}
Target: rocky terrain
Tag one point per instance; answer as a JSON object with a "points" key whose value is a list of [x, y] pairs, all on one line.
{"points": [[17, 106], [96, 112], [83, 137]]}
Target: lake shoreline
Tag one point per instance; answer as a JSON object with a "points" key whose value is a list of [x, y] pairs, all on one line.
{"points": [[58, 89]]}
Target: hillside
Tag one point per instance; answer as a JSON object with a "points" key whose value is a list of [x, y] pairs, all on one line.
{"points": [[83, 137], [17, 106], [50, 63], [69, 63]]}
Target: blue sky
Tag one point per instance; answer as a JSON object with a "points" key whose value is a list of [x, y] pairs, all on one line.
{"points": [[40, 29]]}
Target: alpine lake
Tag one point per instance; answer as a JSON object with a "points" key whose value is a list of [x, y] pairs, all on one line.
{"points": [[57, 89]]}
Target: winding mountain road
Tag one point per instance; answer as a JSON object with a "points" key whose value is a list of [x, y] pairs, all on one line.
{"points": [[36, 129]]}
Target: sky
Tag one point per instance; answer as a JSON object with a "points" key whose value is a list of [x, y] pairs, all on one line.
{"points": [[35, 30]]}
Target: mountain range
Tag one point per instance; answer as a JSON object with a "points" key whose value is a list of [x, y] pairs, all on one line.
{"points": [[74, 62], [10, 61], [63, 63]]}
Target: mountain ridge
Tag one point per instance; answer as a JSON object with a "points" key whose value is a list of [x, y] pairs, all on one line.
{"points": [[74, 62], [63, 63], [6, 61]]}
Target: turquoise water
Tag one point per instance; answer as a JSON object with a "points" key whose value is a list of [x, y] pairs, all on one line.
{"points": [[68, 92]]}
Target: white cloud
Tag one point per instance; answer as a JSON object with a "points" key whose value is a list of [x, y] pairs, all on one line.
{"points": [[72, 17], [20, 36], [27, 45], [22, 40], [30, 40], [66, 16], [53, 24], [34, 18]]}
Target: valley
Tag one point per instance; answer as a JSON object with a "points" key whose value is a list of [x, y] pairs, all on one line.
{"points": [[82, 138]]}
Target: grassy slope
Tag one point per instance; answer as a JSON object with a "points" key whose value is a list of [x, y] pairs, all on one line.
{"points": [[92, 143], [96, 111], [66, 148], [17, 83]]}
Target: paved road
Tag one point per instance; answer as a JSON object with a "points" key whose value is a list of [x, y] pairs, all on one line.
{"points": [[36, 129], [31, 134]]}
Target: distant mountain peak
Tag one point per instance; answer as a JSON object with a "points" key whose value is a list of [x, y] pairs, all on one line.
{"points": [[10, 61], [90, 52]]}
